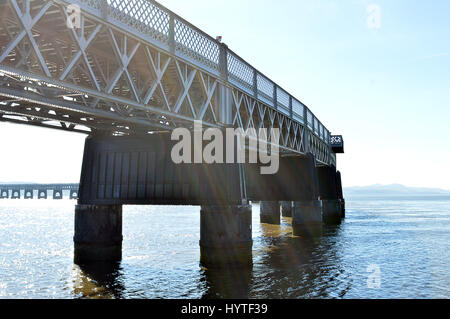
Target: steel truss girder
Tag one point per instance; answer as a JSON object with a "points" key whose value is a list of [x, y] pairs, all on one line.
{"points": [[165, 118], [123, 82]]}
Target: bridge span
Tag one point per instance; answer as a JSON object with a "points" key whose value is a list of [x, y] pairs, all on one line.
{"points": [[15, 191], [127, 74]]}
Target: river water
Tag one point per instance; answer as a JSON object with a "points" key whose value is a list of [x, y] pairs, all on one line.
{"points": [[385, 248]]}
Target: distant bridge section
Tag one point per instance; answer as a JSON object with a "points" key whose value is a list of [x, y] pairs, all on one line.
{"points": [[129, 72], [28, 191]]}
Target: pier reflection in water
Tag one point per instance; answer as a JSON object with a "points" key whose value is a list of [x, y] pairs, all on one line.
{"points": [[295, 267]]}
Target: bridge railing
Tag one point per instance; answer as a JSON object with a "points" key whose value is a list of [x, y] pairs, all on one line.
{"points": [[174, 34]]}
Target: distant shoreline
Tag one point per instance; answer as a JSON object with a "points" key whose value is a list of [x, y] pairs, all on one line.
{"points": [[394, 190]]}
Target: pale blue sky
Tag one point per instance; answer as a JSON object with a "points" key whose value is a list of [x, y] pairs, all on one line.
{"points": [[386, 90]]}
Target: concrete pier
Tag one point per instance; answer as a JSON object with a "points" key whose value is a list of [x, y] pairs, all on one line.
{"points": [[286, 208], [73, 194], [342, 201], [98, 233], [139, 170], [226, 236], [270, 212], [15, 194], [307, 218], [28, 194], [4, 193], [57, 194], [42, 194], [331, 208]]}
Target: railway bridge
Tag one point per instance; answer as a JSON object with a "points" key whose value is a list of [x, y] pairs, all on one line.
{"points": [[15, 191], [130, 73]]}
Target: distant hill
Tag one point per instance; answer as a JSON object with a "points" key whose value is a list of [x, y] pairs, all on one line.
{"points": [[392, 190]]}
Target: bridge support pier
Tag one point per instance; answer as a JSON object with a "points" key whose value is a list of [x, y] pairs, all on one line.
{"points": [[342, 201], [57, 194], [340, 193], [15, 194], [331, 205], [286, 208], [42, 194], [73, 194], [270, 212], [98, 233], [307, 218], [4, 193], [139, 170], [331, 211], [28, 194], [226, 236], [295, 182]]}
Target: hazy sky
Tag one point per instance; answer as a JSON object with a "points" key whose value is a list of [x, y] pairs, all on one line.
{"points": [[384, 85]]}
